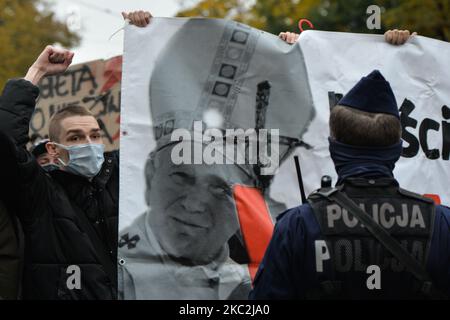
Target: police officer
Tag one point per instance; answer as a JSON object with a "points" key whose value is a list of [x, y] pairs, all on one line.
{"points": [[322, 249]]}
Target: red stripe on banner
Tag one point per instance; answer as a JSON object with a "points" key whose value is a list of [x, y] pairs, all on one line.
{"points": [[434, 197], [256, 224]]}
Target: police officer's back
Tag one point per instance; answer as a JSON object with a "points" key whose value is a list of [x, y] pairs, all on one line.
{"points": [[323, 250]]}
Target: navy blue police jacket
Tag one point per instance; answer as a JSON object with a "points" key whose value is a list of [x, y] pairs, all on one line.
{"points": [[288, 270]]}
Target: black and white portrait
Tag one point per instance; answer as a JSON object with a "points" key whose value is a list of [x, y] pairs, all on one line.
{"points": [[223, 105]]}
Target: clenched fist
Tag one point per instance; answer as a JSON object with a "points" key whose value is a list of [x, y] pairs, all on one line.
{"points": [[51, 61]]}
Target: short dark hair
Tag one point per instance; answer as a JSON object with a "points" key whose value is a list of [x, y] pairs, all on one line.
{"points": [[359, 128], [54, 128]]}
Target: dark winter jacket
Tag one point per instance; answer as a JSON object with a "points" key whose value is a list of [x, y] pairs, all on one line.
{"points": [[10, 255], [69, 223]]}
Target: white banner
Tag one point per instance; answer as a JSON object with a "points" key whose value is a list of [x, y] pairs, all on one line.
{"points": [[198, 230], [419, 74]]}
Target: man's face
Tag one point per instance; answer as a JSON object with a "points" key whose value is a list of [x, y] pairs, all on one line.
{"points": [[192, 208], [45, 159], [78, 130]]}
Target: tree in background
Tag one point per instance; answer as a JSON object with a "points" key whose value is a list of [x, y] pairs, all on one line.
{"points": [[270, 15], [345, 15], [230, 9], [26, 27], [276, 16], [427, 17]]}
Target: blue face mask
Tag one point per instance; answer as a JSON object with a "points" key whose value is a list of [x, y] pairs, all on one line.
{"points": [[84, 159], [373, 162]]}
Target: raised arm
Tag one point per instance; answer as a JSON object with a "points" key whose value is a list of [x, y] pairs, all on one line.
{"points": [[21, 177]]}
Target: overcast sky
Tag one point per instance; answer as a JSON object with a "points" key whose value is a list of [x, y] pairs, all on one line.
{"points": [[99, 19]]}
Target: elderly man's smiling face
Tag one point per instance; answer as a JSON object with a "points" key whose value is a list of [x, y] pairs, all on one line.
{"points": [[192, 210]]}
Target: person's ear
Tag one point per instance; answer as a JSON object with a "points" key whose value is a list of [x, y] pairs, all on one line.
{"points": [[52, 149]]}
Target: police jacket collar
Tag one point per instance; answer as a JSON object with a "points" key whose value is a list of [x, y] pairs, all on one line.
{"points": [[367, 182], [363, 187]]}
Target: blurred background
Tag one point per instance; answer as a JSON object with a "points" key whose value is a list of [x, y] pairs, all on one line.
{"points": [[85, 26]]}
